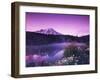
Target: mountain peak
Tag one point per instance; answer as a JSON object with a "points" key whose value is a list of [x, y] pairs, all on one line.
{"points": [[49, 31]]}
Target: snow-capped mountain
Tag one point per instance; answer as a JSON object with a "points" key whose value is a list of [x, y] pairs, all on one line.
{"points": [[48, 31]]}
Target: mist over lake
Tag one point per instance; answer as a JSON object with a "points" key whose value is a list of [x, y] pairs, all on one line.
{"points": [[54, 52]]}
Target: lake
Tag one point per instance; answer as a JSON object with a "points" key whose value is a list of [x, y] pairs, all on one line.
{"points": [[50, 54]]}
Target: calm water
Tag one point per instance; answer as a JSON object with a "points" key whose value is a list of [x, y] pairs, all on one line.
{"points": [[45, 55]]}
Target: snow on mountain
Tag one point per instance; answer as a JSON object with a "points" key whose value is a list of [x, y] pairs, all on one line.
{"points": [[48, 31]]}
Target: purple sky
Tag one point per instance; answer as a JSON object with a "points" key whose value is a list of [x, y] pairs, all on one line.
{"points": [[68, 24]]}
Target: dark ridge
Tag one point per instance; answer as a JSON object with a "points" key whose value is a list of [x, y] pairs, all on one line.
{"points": [[33, 38]]}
